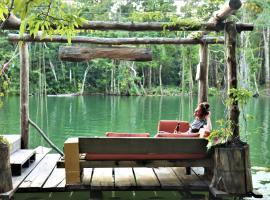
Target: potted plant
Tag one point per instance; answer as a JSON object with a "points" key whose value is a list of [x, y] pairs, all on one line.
{"points": [[231, 156]]}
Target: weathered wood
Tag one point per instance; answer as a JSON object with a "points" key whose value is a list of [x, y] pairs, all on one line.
{"points": [[55, 178], [102, 179], [146, 178], [24, 93], [86, 175], [191, 182], [203, 78], [224, 12], [37, 178], [13, 24], [167, 178], [5, 170], [72, 157], [124, 178], [206, 162], [20, 159], [17, 180], [77, 54], [115, 41], [14, 142], [232, 177], [142, 145], [232, 75]]}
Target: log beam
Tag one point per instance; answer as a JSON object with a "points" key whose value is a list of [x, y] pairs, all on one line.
{"points": [[24, 93], [78, 54], [14, 24], [115, 41], [228, 8], [232, 75]]}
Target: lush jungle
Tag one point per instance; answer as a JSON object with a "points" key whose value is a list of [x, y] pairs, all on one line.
{"points": [[173, 68]]}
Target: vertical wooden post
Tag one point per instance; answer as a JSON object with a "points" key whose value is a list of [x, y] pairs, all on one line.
{"points": [[203, 74], [5, 170], [231, 35], [24, 93], [72, 161]]}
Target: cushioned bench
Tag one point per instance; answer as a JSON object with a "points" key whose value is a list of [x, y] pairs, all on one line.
{"points": [[94, 152]]}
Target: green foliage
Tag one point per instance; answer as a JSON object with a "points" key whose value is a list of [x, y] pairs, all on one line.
{"points": [[239, 95], [3, 140], [213, 91], [49, 16], [221, 135]]}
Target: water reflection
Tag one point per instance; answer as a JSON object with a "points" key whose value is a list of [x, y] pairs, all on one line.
{"points": [[63, 117]]}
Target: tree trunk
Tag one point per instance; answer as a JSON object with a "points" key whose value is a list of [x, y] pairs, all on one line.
{"points": [[243, 65], [134, 77], [183, 71], [203, 74], [84, 77], [112, 90], [160, 79], [266, 38], [24, 93], [78, 54], [190, 76], [150, 78], [232, 75]]}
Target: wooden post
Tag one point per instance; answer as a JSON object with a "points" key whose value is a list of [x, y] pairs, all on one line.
{"points": [[230, 40], [202, 74], [72, 161], [24, 93], [5, 170]]}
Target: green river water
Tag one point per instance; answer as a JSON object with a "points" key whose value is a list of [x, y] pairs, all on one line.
{"points": [[63, 117]]}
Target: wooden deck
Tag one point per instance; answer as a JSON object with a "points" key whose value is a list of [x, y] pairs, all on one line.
{"points": [[43, 176]]}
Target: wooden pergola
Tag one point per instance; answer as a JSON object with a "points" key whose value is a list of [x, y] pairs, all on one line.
{"points": [[215, 23]]}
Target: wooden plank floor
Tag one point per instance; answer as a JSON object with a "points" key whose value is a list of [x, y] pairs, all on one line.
{"points": [[47, 177]]}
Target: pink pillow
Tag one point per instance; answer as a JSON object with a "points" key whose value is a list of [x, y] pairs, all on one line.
{"points": [[177, 135], [115, 134]]}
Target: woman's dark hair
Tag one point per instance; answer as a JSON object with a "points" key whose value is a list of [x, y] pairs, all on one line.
{"points": [[204, 107]]}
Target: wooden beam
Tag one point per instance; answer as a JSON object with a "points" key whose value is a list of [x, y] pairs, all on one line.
{"points": [[24, 93], [232, 74], [78, 54], [219, 16], [203, 74], [227, 9], [14, 24], [115, 41]]}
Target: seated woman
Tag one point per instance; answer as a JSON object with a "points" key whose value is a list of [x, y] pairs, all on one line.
{"points": [[202, 122]]}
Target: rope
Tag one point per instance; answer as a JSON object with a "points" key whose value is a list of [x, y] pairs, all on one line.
{"points": [[45, 137]]}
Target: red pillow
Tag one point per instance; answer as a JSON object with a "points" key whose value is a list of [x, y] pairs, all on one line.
{"points": [[115, 134], [170, 125], [177, 135]]}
